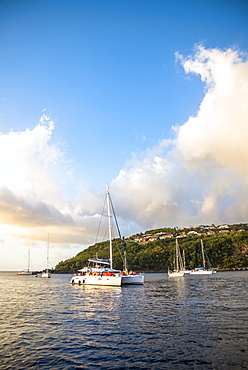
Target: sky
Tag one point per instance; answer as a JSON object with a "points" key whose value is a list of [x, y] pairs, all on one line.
{"points": [[148, 96]]}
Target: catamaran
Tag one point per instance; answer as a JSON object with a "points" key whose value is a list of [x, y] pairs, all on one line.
{"points": [[179, 269], [101, 271], [202, 270]]}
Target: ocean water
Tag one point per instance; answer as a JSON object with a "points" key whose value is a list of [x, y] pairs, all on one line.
{"points": [[196, 322]]}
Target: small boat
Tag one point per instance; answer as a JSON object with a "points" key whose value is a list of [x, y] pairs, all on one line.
{"points": [[46, 273], [179, 270], [130, 277], [26, 271], [202, 270]]}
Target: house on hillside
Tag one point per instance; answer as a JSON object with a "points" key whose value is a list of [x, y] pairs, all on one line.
{"points": [[183, 235], [166, 236], [192, 232], [210, 232], [152, 238], [146, 238]]}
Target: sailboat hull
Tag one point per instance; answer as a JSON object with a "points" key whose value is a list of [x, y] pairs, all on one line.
{"points": [[176, 273], [202, 272], [46, 275], [25, 272], [133, 279]]}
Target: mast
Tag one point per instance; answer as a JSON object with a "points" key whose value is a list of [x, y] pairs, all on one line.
{"points": [[177, 255], [203, 257], [184, 262], [47, 252], [109, 226], [28, 259]]}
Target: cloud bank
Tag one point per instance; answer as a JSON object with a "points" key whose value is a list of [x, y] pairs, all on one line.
{"points": [[200, 176], [31, 199]]}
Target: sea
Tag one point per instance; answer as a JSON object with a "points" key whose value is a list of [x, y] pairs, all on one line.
{"points": [[196, 322]]}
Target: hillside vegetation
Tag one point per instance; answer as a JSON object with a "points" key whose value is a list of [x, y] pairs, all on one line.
{"points": [[226, 247]]}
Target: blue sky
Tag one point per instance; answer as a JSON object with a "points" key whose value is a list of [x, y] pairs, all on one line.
{"points": [[91, 93]]}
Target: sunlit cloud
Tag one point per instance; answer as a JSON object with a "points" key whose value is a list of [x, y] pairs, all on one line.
{"points": [[201, 177], [31, 195]]}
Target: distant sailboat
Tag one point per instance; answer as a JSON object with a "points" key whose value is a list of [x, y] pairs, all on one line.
{"points": [[202, 270], [26, 271], [179, 270], [47, 273]]}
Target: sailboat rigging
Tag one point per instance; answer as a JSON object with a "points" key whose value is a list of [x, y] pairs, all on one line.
{"points": [[179, 269]]}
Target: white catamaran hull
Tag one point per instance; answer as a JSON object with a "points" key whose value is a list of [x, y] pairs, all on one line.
{"points": [[97, 280]]}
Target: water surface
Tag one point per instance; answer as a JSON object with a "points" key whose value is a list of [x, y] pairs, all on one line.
{"points": [[196, 322]]}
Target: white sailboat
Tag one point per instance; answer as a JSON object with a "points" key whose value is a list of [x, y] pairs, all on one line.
{"points": [[26, 271], [178, 271], [100, 271], [47, 273], [202, 270]]}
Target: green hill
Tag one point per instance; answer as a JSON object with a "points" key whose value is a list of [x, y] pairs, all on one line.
{"points": [[226, 247]]}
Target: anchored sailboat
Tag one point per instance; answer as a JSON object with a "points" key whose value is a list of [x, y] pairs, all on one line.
{"points": [[179, 269], [47, 273], [101, 271], [202, 270], [26, 271]]}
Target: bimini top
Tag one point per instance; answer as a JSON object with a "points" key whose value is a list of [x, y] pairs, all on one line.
{"points": [[100, 261]]}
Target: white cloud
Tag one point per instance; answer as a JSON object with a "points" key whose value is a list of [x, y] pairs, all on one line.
{"points": [[31, 200], [202, 178]]}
